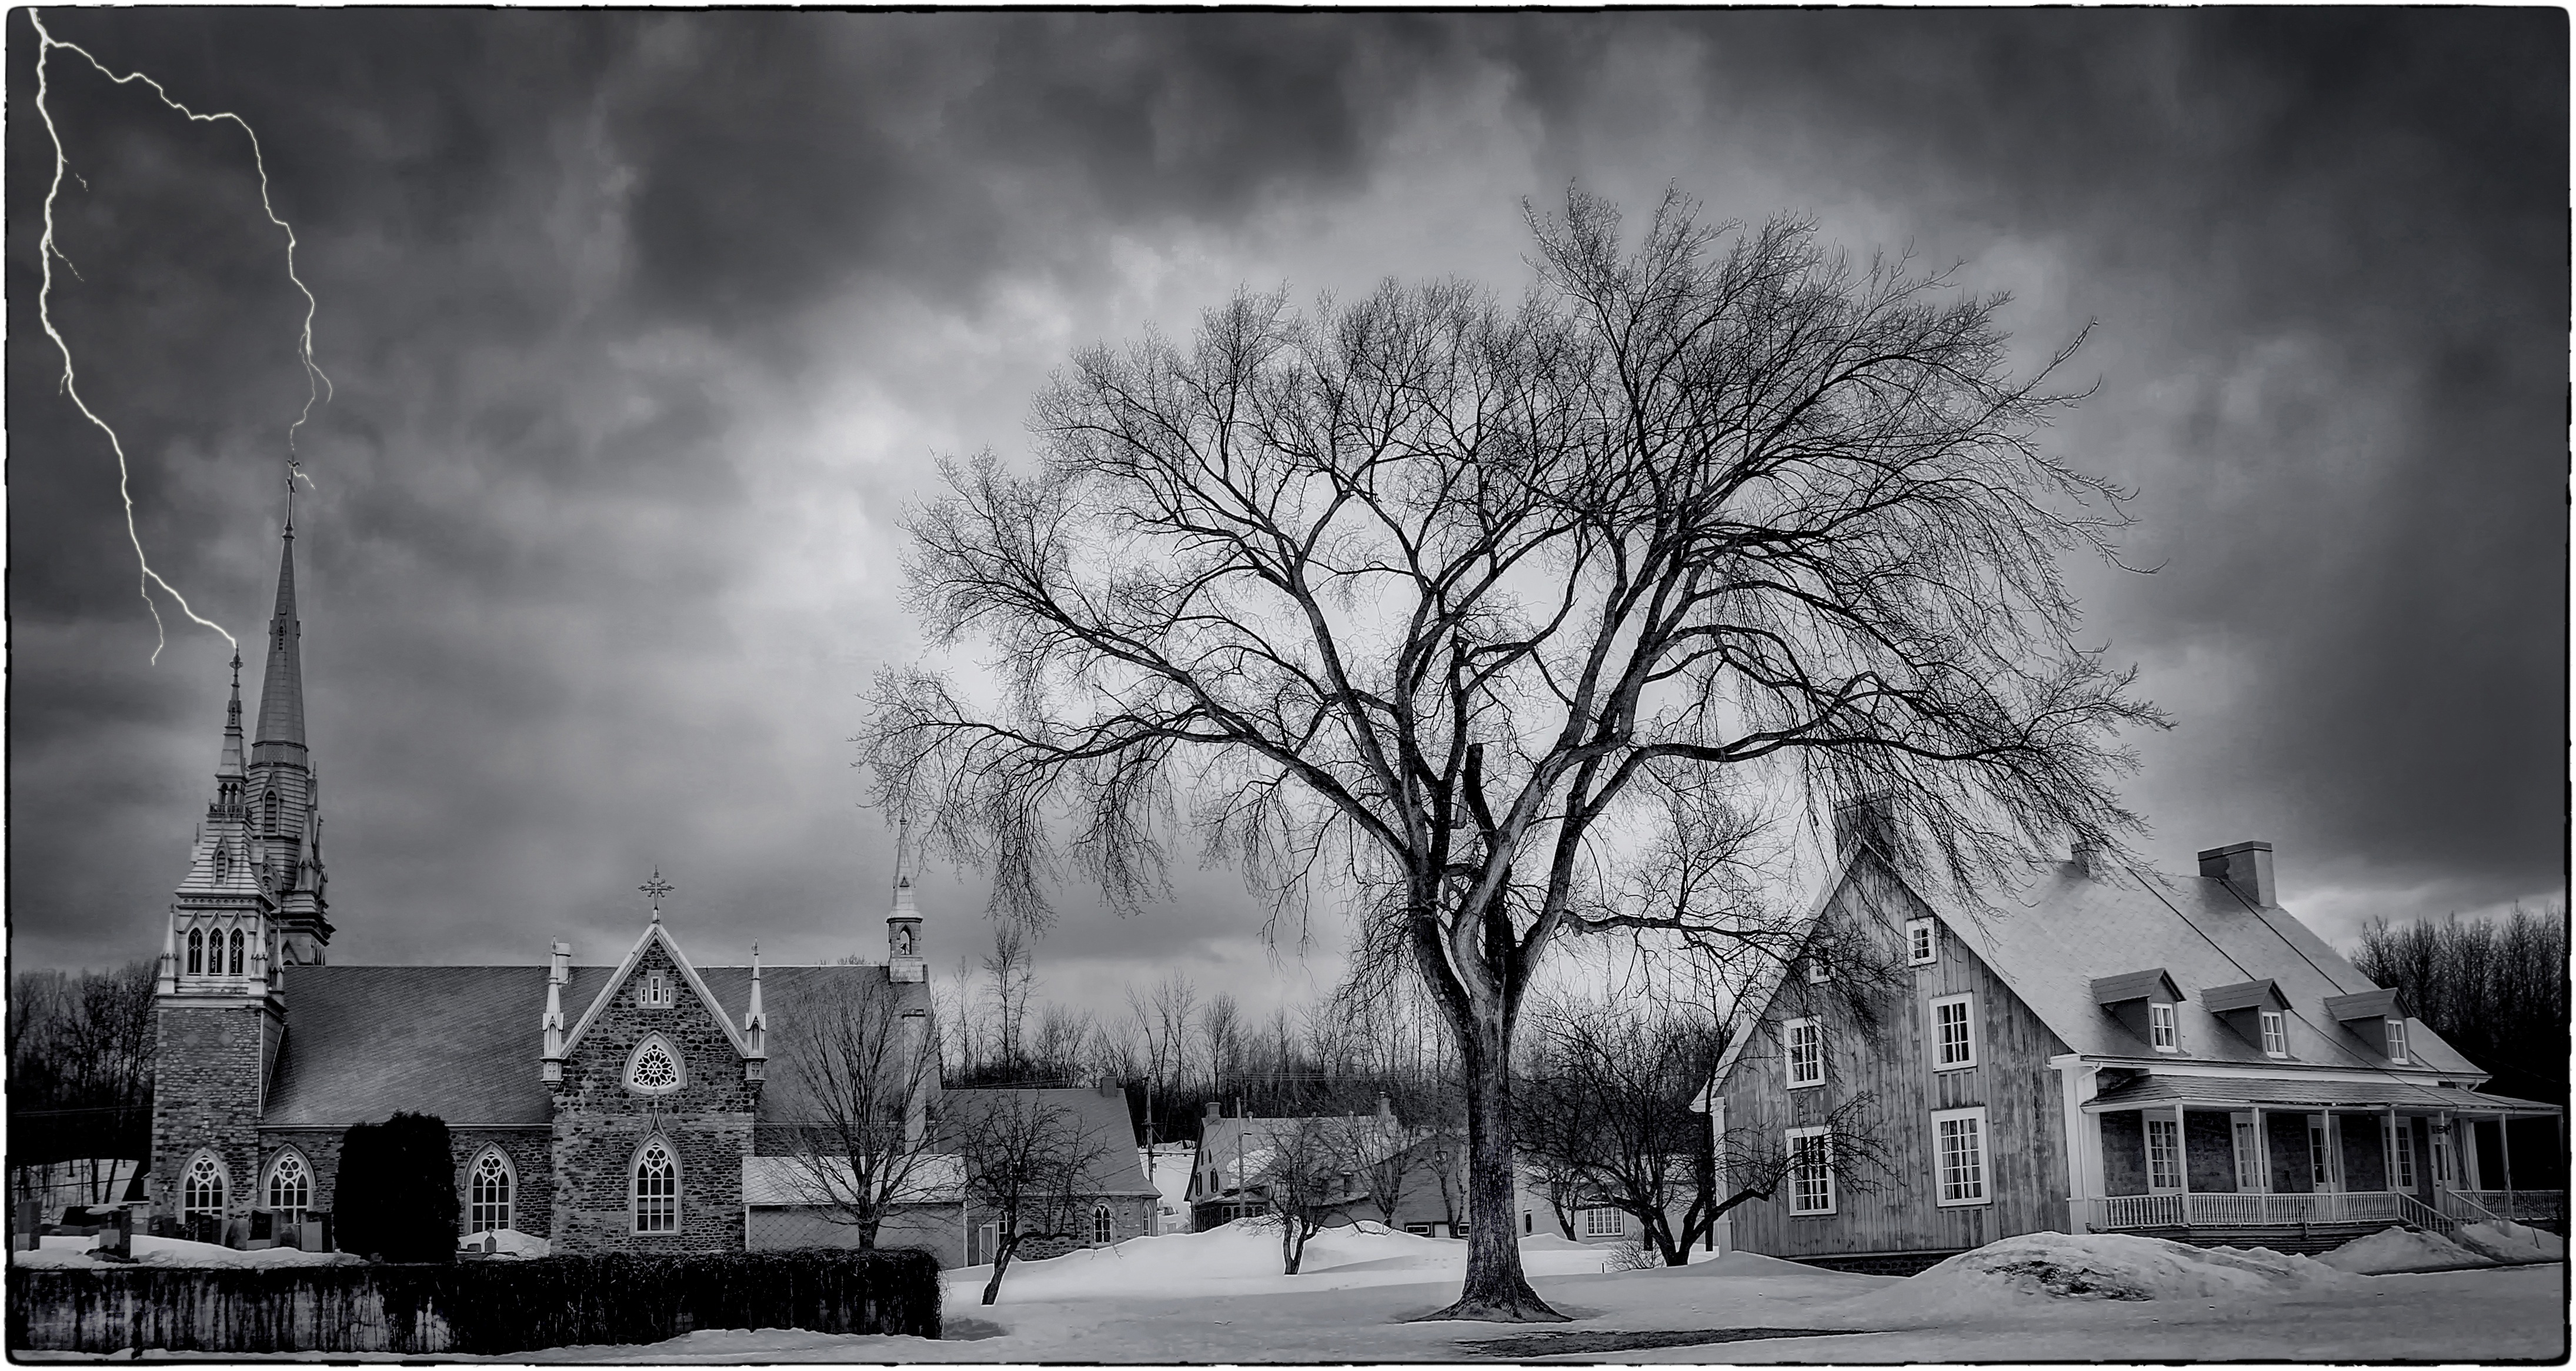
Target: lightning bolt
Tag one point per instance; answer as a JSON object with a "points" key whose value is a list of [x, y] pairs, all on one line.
{"points": [[317, 385]]}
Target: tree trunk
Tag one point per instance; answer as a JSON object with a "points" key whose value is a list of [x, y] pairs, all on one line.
{"points": [[1495, 1288], [1292, 1246], [1001, 1263]]}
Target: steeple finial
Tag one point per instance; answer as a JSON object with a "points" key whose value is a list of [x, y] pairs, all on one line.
{"points": [[655, 889], [229, 772], [281, 691]]}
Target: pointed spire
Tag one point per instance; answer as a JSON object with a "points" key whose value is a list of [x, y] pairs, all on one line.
{"points": [[230, 768], [755, 1019], [281, 691]]}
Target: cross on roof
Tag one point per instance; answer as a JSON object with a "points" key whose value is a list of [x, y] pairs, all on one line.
{"points": [[654, 890]]}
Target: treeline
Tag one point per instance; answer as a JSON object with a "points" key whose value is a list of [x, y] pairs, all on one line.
{"points": [[1176, 1049], [2494, 988], [80, 1064]]}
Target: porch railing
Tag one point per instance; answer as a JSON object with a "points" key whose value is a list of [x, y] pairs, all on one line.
{"points": [[2520, 1206], [2451, 1208]]}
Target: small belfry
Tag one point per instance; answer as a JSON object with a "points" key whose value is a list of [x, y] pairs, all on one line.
{"points": [[223, 916], [904, 961]]}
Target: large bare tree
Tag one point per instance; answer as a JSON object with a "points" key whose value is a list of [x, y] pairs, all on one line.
{"points": [[1460, 604], [865, 1072]]}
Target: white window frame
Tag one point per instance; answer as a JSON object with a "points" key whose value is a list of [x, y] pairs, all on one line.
{"points": [[655, 992], [2321, 1152], [1800, 1172], [1817, 972], [2276, 1033], [2443, 1167], [635, 1187], [193, 1182], [2401, 1152], [2396, 1031], [2164, 1032], [679, 1066], [1922, 943], [1977, 1135], [475, 1204], [1815, 1029], [301, 1176], [1941, 1058], [2164, 1173], [1601, 1221]]}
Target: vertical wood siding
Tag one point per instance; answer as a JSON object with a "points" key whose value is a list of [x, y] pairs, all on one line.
{"points": [[1892, 1060]]}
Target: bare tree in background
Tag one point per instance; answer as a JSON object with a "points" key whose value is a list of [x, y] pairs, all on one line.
{"points": [[1462, 604], [1163, 1017], [1607, 1116], [866, 1071], [1303, 1184], [1025, 1163], [2496, 989], [1012, 967]]}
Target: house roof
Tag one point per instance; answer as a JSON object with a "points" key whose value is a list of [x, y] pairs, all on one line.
{"points": [[2243, 1092], [465, 1043], [1115, 1167], [794, 999], [2059, 932]]}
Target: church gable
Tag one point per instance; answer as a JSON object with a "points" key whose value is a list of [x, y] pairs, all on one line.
{"points": [[654, 1039]]}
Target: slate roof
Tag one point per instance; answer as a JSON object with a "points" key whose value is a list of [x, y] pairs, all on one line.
{"points": [[2052, 938], [1116, 1167], [464, 1042]]}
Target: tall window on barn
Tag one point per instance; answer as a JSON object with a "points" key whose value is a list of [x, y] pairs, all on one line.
{"points": [[1811, 1171], [657, 1189], [1921, 947], [1960, 1135], [488, 1193], [1806, 1052], [201, 1188], [290, 1188], [1954, 1034], [2164, 1154]]}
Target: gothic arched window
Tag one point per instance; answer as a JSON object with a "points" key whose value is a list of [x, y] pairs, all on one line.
{"points": [[237, 953], [487, 1192], [196, 951], [272, 812], [201, 1188], [655, 1067], [657, 1189], [223, 861], [290, 1187], [1100, 1223]]}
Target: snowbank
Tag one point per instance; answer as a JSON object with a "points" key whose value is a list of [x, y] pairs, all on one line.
{"points": [[2037, 1268], [2512, 1242], [506, 1242], [2401, 1249], [1242, 1257], [152, 1251]]}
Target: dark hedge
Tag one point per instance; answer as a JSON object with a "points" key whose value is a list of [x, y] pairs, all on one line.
{"points": [[395, 1195], [488, 1306]]}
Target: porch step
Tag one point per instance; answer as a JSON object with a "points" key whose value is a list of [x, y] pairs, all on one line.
{"points": [[2305, 1240]]}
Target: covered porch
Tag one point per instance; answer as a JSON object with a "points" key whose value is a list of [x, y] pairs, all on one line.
{"points": [[2300, 1164]]}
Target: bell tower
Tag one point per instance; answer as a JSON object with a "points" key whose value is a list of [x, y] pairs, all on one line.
{"points": [[904, 960]]}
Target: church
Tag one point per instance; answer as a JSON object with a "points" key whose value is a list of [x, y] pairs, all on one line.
{"points": [[625, 1107]]}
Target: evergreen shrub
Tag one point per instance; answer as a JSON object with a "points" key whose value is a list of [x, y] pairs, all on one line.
{"points": [[395, 1196]]}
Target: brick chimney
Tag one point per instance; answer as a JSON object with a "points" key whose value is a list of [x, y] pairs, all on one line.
{"points": [[1215, 1111], [2247, 869]]}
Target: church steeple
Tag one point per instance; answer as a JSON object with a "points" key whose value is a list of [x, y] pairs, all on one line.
{"points": [[230, 775], [282, 793]]}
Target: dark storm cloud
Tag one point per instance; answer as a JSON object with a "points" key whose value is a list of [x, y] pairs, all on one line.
{"points": [[645, 325]]}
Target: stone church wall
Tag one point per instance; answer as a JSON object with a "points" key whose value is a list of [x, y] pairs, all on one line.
{"points": [[600, 1124], [205, 1093]]}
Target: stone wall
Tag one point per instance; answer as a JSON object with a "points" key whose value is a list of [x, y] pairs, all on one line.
{"points": [[601, 1124], [205, 1095]]}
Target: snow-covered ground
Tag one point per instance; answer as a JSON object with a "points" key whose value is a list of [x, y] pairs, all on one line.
{"points": [[152, 1251], [1217, 1297]]}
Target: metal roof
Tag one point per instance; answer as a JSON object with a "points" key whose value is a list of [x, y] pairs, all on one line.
{"points": [[2243, 1092]]}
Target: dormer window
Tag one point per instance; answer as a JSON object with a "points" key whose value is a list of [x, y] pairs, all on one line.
{"points": [[2160, 1028], [2375, 1017], [2396, 1031], [2276, 1034]]}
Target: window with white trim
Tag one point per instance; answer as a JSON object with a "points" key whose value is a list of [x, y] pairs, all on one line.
{"points": [[1959, 1137], [290, 1187], [196, 951], [2320, 1154], [657, 1189], [2160, 1027], [1811, 1171], [201, 1187], [1922, 946], [488, 1193], [654, 991], [2276, 1034], [2442, 1171], [1817, 972], [2404, 1152], [1954, 1032], [655, 1067], [1806, 1053], [2164, 1154], [2397, 1041], [1605, 1223]]}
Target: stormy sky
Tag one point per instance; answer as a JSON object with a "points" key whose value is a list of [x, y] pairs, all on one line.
{"points": [[646, 328]]}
